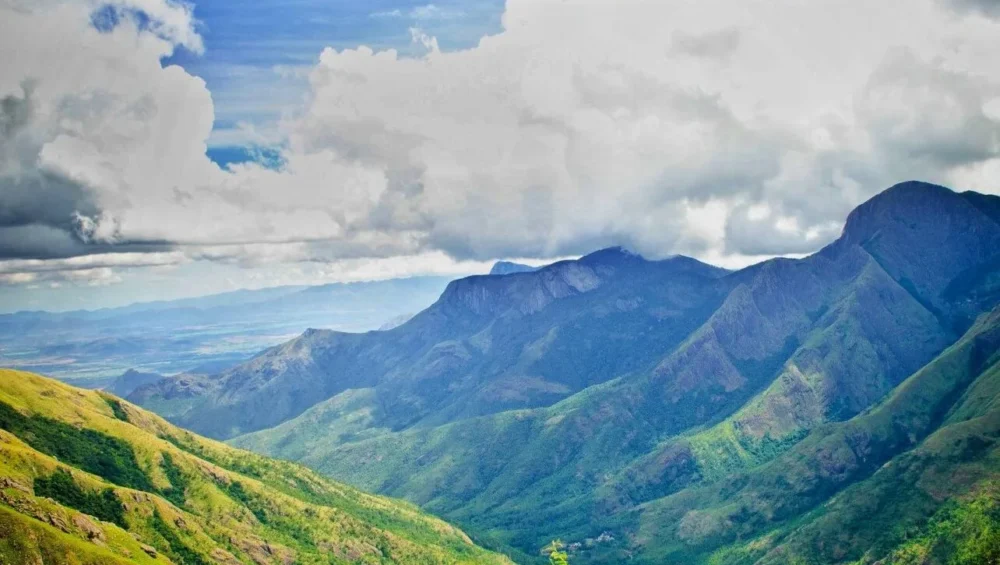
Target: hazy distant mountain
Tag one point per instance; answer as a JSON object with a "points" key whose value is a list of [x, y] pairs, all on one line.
{"points": [[395, 322], [89, 479], [507, 268], [131, 380], [668, 411], [93, 347]]}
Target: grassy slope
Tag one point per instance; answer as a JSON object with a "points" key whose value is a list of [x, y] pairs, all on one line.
{"points": [[853, 491], [864, 345], [185, 498]]}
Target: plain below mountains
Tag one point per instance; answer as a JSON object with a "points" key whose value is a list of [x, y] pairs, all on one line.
{"points": [[839, 408], [91, 348], [88, 479]]}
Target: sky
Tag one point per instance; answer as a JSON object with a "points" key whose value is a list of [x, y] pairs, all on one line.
{"points": [[152, 149]]}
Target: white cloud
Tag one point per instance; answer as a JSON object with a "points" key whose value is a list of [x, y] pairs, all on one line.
{"points": [[92, 270], [421, 13], [666, 126]]}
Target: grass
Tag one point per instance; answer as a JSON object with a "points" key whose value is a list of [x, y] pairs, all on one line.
{"points": [[61, 487], [194, 500]]}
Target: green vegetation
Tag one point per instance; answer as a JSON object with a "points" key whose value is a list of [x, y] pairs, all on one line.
{"points": [[178, 482], [240, 495], [556, 555], [117, 409], [79, 484], [26, 540], [105, 456], [176, 548], [61, 487], [963, 532], [703, 459]]}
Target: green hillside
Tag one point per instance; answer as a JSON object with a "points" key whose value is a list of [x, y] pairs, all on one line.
{"points": [[88, 479]]}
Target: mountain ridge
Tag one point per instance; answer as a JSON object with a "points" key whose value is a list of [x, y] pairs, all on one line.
{"points": [[610, 383]]}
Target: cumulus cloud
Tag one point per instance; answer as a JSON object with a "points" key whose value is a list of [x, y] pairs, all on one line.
{"points": [[919, 112], [667, 127]]}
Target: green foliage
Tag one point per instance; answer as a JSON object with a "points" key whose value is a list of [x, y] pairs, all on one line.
{"points": [[24, 540], [61, 487], [178, 481], [117, 409], [964, 532], [239, 494], [179, 551], [556, 555], [103, 455]]}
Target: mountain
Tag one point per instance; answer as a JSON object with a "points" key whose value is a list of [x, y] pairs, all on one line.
{"points": [[86, 478], [92, 348], [667, 411], [489, 344], [395, 322], [131, 380], [509, 268]]}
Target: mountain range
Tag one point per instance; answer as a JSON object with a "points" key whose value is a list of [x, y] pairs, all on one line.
{"points": [[840, 408]]}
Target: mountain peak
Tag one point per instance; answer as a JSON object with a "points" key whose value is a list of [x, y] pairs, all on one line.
{"points": [[612, 256], [509, 267], [911, 205]]}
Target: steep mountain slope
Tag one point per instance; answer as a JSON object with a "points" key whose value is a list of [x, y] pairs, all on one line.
{"points": [[86, 478], [489, 344], [935, 438], [775, 353]]}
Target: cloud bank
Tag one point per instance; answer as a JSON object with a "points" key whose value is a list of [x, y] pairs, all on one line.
{"points": [[729, 131]]}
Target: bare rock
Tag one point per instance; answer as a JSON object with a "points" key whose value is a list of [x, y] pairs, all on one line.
{"points": [[93, 532], [223, 557]]}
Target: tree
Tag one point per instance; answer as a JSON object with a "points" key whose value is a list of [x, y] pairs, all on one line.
{"points": [[556, 557]]}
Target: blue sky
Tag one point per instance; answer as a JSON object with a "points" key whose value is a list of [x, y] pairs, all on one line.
{"points": [[257, 53]]}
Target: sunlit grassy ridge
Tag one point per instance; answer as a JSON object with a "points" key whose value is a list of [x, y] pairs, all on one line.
{"points": [[122, 485]]}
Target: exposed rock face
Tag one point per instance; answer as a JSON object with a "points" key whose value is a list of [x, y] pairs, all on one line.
{"points": [[92, 531]]}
